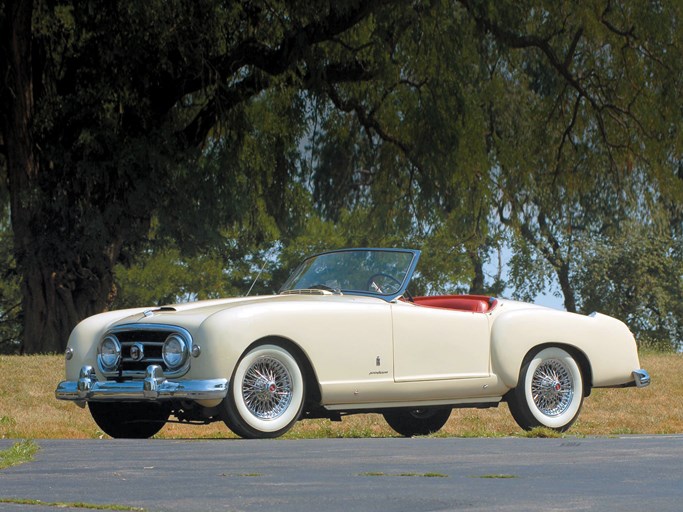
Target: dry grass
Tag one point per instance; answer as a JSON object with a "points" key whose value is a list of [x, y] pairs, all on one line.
{"points": [[28, 409]]}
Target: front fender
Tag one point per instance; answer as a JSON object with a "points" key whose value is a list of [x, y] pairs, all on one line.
{"points": [[85, 337]]}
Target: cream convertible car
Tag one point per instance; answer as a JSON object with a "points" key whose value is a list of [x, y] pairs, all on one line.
{"points": [[343, 336]]}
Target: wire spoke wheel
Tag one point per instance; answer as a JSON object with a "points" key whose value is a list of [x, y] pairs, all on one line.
{"points": [[549, 391], [267, 388], [266, 394], [552, 387]]}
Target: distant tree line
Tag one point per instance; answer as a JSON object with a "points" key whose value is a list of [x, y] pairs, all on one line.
{"points": [[169, 150]]}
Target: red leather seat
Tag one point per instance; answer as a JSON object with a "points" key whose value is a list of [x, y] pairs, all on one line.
{"points": [[474, 303]]}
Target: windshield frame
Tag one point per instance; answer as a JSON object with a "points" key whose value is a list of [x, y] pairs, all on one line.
{"points": [[299, 271]]}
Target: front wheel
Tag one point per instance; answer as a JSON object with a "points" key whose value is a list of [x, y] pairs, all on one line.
{"points": [[417, 422], [132, 420], [549, 391], [266, 394]]}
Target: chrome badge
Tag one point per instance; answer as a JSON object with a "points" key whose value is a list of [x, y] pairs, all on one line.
{"points": [[137, 351]]}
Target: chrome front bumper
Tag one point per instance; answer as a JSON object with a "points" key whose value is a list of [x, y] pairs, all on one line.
{"points": [[153, 387]]}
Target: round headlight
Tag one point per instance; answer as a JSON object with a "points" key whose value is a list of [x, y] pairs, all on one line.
{"points": [[110, 353], [174, 351]]}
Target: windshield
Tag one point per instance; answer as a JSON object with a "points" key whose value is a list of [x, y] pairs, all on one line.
{"points": [[378, 272]]}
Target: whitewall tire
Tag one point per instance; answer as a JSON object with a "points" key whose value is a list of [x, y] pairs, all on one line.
{"points": [[549, 392], [266, 394]]}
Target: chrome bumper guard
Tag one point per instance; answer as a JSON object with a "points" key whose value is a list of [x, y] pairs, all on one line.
{"points": [[641, 378], [153, 387]]}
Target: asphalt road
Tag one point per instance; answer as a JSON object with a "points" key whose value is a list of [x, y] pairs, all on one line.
{"points": [[421, 474]]}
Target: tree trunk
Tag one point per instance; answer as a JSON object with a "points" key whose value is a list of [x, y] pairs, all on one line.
{"points": [[57, 289], [478, 280], [566, 287], [54, 302]]}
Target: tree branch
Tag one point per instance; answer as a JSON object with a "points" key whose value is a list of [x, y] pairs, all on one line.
{"points": [[598, 99], [271, 60], [368, 121]]}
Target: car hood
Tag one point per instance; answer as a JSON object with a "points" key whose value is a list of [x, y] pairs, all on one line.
{"points": [[191, 314], [187, 313]]}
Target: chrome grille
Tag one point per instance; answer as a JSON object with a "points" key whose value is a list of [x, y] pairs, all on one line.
{"points": [[141, 345], [150, 341]]}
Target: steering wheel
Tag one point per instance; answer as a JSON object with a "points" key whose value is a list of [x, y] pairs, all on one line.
{"points": [[372, 286]]}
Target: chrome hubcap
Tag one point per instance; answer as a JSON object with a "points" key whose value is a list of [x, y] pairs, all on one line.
{"points": [[267, 388], [552, 387]]}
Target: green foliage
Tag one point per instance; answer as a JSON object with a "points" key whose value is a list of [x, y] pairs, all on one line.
{"points": [[637, 276], [584, 137], [19, 453], [244, 182], [483, 127], [186, 114], [542, 433], [67, 504], [178, 149], [165, 277]]}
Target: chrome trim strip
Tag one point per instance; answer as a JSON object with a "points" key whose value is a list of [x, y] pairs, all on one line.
{"points": [[641, 377], [153, 387], [149, 327], [309, 291]]}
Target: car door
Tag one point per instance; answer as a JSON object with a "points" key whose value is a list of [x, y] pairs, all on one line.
{"points": [[439, 344]]}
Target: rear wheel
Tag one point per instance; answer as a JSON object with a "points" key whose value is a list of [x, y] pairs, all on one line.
{"points": [[266, 394], [417, 422], [549, 391], [133, 420]]}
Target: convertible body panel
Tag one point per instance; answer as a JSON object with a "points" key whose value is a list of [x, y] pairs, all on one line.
{"points": [[346, 326], [361, 348], [438, 344]]}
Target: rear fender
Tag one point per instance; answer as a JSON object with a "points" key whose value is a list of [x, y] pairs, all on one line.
{"points": [[603, 346]]}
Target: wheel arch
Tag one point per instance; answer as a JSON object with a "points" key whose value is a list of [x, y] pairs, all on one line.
{"points": [[518, 333], [578, 355], [313, 393], [508, 367]]}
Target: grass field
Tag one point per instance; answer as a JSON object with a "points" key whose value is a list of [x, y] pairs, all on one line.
{"points": [[28, 409]]}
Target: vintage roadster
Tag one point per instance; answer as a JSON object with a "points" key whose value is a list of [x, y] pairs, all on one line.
{"points": [[343, 336]]}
